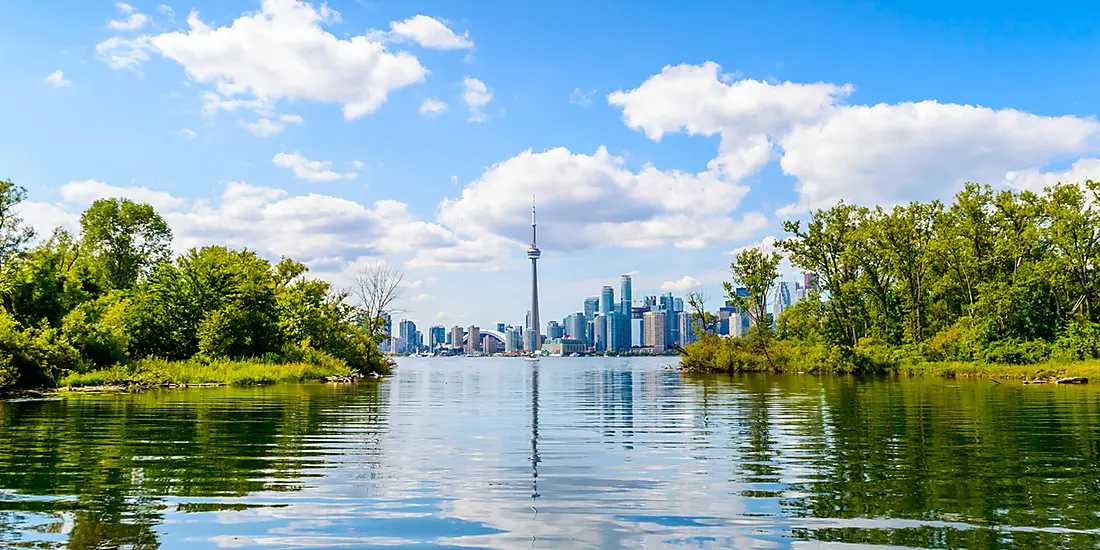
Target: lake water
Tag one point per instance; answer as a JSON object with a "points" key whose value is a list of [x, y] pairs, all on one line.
{"points": [[558, 453]]}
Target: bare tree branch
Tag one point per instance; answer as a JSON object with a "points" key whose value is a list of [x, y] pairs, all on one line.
{"points": [[377, 287]]}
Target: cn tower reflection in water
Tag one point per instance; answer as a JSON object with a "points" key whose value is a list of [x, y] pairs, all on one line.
{"points": [[558, 453]]}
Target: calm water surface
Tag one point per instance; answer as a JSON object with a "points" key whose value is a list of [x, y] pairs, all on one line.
{"points": [[558, 453]]}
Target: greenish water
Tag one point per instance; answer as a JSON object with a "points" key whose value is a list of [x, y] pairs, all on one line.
{"points": [[558, 453]]}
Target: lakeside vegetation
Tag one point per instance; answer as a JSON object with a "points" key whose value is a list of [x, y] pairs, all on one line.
{"points": [[995, 284], [111, 306]]}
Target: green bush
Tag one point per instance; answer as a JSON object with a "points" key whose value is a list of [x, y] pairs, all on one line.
{"points": [[1016, 352], [1080, 339], [100, 330]]}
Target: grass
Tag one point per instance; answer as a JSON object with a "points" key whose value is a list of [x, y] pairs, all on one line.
{"points": [[1059, 369], [192, 372]]}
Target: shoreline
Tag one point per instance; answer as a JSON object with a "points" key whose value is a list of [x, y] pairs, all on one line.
{"points": [[46, 391], [1081, 372]]}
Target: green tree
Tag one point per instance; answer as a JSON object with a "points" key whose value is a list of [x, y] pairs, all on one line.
{"points": [[125, 239], [756, 272]]}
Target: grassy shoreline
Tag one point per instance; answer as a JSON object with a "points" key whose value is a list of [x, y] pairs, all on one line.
{"points": [[159, 372], [1037, 372]]}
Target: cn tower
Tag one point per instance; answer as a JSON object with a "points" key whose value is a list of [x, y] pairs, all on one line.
{"points": [[534, 254]]}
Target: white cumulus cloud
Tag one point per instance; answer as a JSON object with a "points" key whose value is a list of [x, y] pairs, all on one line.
{"points": [[88, 191], [1036, 180], [432, 106], [869, 154], [685, 284], [595, 201], [429, 32], [476, 95], [309, 170], [283, 52], [57, 79], [134, 19], [261, 127]]}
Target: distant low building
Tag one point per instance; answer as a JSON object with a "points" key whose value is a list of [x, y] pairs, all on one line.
{"points": [[563, 346]]}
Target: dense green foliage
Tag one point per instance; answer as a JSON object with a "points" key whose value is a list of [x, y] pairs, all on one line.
{"points": [[113, 297], [995, 277]]}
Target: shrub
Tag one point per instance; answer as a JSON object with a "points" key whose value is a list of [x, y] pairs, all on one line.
{"points": [[1016, 352], [1080, 339]]}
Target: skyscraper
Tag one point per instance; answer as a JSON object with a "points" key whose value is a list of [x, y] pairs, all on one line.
{"points": [[625, 295], [810, 280], [500, 327], [591, 307], [473, 339], [554, 330], [599, 330], [406, 330], [534, 254], [655, 330], [607, 297], [436, 336], [575, 327], [457, 333]]}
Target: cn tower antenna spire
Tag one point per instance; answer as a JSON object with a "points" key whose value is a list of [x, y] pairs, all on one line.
{"points": [[533, 337]]}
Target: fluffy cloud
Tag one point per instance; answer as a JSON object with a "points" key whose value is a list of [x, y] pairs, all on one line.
{"points": [[686, 284], [582, 98], [592, 201], [86, 192], [882, 154], [292, 119], [57, 79], [134, 20], [123, 53], [261, 127], [476, 95], [432, 106], [332, 233], [187, 133], [282, 51], [309, 170], [1034, 180], [748, 114], [429, 33]]}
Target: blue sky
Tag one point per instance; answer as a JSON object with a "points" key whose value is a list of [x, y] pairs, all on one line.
{"points": [[657, 137]]}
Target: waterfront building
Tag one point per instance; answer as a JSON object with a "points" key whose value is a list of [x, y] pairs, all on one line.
{"points": [[618, 332], [473, 339], [436, 337], [637, 332], [387, 331], [782, 300], [607, 299], [599, 329], [531, 340], [575, 327], [406, 330], [655, 330], [687, 328], [625, 295], [457, 334], [563, 346], [809, 280], [554, 330], [489, 345], [591, 307], [513, 340]]}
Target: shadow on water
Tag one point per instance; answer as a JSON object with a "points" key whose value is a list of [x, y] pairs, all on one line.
{"points": [[553, 453]]}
